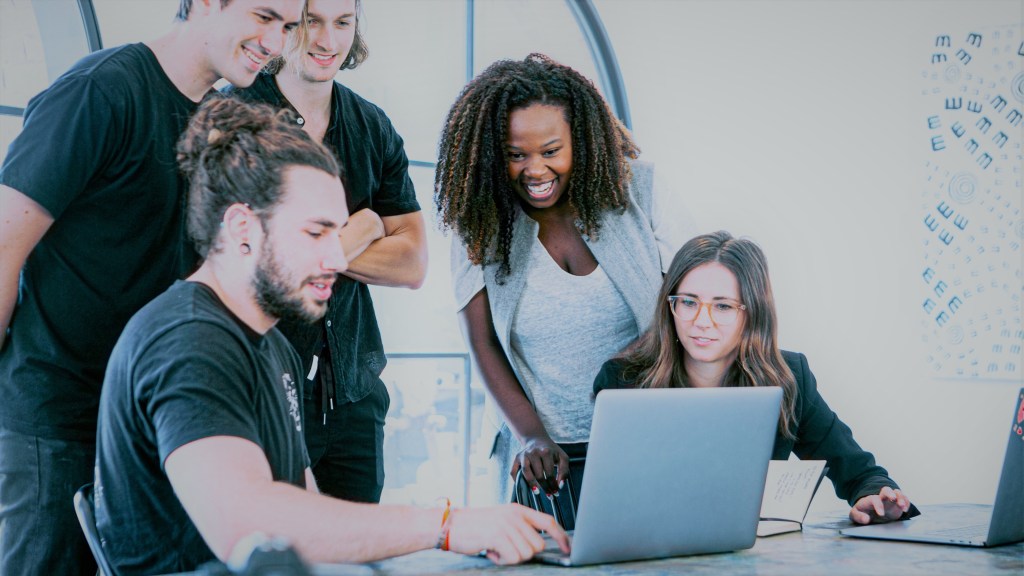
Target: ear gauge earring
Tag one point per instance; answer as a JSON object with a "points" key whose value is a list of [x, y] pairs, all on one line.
{"points": [[244, 248]]}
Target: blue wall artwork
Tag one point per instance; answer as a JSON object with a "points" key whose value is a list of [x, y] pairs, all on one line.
{"points": [[970, 212]]}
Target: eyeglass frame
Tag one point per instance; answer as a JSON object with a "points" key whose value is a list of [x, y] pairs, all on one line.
{"points": [[700, 306]]}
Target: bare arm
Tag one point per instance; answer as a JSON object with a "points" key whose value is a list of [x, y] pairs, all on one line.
{"points": [[542, 454], [218, 480], [388, 251], [311, 482], [22, 224]]}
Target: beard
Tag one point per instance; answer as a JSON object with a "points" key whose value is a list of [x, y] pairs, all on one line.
{"points": [[275, 298]]}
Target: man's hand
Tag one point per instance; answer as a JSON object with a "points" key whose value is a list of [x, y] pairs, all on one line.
{"points": [[508, 534], [386, 251], [364, 227]]}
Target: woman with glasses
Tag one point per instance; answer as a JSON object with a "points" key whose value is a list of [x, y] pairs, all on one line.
{"points": [[556, 259], [715, 325]]}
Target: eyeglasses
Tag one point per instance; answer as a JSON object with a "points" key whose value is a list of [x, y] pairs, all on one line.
{"points": [[687, 308]]}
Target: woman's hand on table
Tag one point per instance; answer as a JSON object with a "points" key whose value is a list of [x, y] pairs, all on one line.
{"points": [[888, 505]]}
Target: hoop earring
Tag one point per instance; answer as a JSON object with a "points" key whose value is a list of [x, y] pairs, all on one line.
{"points": [[245, 248]]}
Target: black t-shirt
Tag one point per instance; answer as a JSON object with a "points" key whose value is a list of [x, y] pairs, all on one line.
{"points": [[98, 153], [185, 369], [376, 168]]}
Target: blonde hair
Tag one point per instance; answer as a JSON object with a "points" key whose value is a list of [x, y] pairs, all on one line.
{"points": [[298, 41]]}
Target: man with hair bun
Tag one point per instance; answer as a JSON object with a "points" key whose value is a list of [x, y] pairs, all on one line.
{"points": [[92, 228], [200, 432]]}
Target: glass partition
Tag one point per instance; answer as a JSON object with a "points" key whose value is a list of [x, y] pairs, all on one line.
{"points": [[516, 29], [128, 21], [422, 52], [39, 40], [416, 66], [10, 126]]}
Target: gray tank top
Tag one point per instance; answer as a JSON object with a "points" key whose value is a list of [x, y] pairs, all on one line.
{"points": [[563, 330]]}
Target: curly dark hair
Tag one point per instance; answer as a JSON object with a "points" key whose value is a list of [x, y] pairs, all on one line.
{"points": [[472, 190]]}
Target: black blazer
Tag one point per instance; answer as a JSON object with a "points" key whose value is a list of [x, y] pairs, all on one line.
{"points": [[818, 434]]}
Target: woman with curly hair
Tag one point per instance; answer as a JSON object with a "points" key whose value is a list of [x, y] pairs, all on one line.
{"points": [[557, 260], [715, 326]]}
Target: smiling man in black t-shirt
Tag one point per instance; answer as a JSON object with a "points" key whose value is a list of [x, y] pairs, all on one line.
{"points": [[91, 228]]}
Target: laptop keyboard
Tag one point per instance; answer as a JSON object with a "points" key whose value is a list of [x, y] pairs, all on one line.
{"points": [[976, 532], [551, 546]]}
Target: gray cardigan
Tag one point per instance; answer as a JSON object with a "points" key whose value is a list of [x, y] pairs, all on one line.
{"points": [[626, 248]]}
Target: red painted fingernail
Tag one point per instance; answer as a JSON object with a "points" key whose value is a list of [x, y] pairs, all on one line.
{"points": [[536, 490]]}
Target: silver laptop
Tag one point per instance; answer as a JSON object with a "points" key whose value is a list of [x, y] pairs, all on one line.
{"points": [[1001, 523], [672, 472]]}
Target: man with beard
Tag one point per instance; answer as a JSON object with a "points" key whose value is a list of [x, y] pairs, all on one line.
{"points": [[200, 432]]}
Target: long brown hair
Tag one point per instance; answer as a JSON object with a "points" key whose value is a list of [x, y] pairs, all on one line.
{"points": [[472, 190], [655, 360]]}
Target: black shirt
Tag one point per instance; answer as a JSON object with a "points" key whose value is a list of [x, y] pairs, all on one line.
{"points": [[98, 153], [185, 369], [376, 170]]}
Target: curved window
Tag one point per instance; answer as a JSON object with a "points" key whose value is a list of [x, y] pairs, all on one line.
{"points": [[38, 42], [127, 21], [422, 52], [420, 58]]}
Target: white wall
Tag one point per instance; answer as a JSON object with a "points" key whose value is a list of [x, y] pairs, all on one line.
{"points": [[803, 124]]}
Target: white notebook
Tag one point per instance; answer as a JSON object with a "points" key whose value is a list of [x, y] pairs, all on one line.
{"points": [[788, 491]]}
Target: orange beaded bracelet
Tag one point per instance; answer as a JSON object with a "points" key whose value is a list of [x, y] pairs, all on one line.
{"points": [[442, 537]]}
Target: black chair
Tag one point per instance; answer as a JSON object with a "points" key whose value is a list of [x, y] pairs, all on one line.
{"points": [[85, 508], [562, 505]]}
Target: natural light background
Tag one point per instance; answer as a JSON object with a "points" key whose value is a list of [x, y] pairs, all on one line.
{"points": [[803, 124]]}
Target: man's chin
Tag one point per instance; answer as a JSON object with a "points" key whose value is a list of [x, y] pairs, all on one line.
{"points": [[302, 315], [319, 77], [315, 313]]}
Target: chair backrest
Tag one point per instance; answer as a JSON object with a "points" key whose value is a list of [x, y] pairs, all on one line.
{"points": [[86, 511], [564, 504]]}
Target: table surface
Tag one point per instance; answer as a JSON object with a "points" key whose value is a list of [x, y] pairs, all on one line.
{"points": [[817, 550]]}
